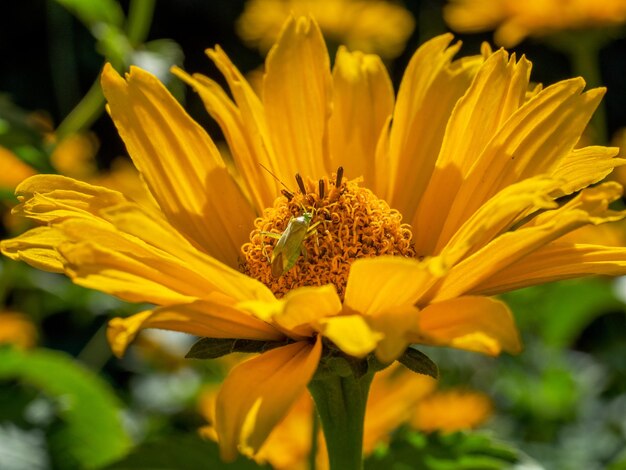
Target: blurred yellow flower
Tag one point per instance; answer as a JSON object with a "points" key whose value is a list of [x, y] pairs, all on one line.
{"points": [[377, 26], [451, 410], [75, 156], [17, 329], [14, 170], [477, 166], [515, 20]]}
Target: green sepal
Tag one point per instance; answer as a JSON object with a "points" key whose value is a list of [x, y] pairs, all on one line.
{"points": [[212, 348], [418, 362]]}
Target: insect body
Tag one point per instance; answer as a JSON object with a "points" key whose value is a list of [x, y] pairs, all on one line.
{"points": [[290, 243]]}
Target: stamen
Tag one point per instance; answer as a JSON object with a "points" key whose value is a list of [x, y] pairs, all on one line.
{"points": [[300, 183], [287, 194], [339, 176], [347, 222]]}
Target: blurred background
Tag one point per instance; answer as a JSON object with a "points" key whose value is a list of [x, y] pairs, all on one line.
{"points": [[66, 403]]}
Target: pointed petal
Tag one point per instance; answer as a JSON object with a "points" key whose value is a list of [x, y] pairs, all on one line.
{"points": [[556, 261], [247, 158], [477, 324], [297, 98], [499, 213], [122, 248], [584, 167], [256, 128], [206, 318], [497, 92], [379, 284], [590, 206], [362, 102], [532, 142], [180, 164], [258, 393], [429, 90]]}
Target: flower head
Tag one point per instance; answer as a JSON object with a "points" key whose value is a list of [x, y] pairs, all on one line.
{"points": [[475, 163], [514, 20], [355, 23], [17, 329]]}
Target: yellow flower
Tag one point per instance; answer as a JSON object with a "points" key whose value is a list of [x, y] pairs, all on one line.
{"points": [[355, 23], [514, 20], [451, 410], [17, 329], [14, 170], [476, 169]]}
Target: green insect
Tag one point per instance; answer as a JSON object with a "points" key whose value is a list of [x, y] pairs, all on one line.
{"points": [[290, 244]]}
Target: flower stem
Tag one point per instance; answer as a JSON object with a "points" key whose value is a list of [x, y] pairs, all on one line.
{"points": [[340, 402]]}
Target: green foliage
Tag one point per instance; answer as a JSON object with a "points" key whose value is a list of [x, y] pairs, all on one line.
{"points": [[180, 452], [455, 451], [212, 348], [95, 12], [91, 433], [558, 312]]}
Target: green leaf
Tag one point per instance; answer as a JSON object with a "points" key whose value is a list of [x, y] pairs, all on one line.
{"points": [[91, 434], [455, 451], [419, 363], [182, 452], [212, 348], [92, 12]]}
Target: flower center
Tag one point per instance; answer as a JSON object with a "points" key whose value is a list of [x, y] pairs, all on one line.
{"points": [[311, 238]]}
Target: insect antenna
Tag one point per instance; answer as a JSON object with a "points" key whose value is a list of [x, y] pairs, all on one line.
{"points": [[288, 193]]}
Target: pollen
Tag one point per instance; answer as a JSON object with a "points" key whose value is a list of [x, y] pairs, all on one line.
{"points": [[347, 222]]}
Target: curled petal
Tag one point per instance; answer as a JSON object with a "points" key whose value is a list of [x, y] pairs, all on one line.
{"points": [[477, 324]]}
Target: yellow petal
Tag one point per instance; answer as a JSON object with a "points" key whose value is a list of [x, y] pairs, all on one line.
{"points": [[248, 160], [305, 306], [298, 313], [585, 166], [201, 318], [395, 325], [297, 98], [532, 142], [180, 164], [429, 90], [37, 248], [258, 393], [590, 206], [498, 214], [362, 102], [351, 333], [138, 250], [393, 396], [496, 93], [256, 129], [382, 283], [553, 262], [47, 198], [477, 324]]}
